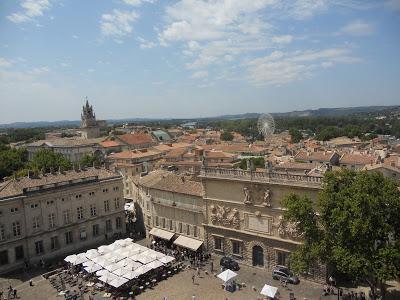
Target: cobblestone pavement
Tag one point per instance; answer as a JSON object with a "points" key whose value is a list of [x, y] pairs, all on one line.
{"points": [[180, 286], [207, 286]]}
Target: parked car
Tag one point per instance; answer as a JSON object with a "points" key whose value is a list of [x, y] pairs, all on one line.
{"points": [[229, 263], [284, 273]]}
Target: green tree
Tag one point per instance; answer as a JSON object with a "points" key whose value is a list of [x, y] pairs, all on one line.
{"points": [[356, 230], [12, 160], [258, 162], [295, 135], [47, 160], [89, 159], [226, 136]]}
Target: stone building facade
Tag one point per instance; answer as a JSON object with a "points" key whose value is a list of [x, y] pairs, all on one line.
{"points": [[243, 215], [52, 215], [73, 149], [90, 127], [172, 203]]}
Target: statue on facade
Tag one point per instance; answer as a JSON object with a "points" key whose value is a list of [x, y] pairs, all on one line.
{"points": [[287, 229], [267, 198], [235, 218], [225, 216], [247, 197]]}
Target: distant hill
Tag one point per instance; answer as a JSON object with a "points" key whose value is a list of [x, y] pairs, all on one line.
{"points": [[320, 112], [340, 111]]}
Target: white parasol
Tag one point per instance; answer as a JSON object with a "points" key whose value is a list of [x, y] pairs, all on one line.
{"points": [[117, 282], [93, 268], [166, 259], [269, 291], [227, 275]]}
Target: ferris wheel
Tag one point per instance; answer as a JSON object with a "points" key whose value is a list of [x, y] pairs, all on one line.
{"points": [[266, 125]]}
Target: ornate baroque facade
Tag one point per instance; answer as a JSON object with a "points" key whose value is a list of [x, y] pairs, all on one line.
{"points": [[244, 215]]}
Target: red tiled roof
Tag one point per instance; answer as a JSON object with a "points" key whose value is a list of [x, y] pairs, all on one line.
{"points": [[176, 153], [136, 138], [357, 159], [218, 154], [133, 154], [238, 148], [107, 144], [320, 155]]}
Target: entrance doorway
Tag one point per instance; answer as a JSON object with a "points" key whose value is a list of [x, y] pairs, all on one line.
{"points": [[258, 256]]}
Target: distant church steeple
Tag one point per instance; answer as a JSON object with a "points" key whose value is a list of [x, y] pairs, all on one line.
{"points": [[89, 126]]}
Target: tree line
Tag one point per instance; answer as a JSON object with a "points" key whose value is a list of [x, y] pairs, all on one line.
{"points": [[323, 128], [14, 162]]}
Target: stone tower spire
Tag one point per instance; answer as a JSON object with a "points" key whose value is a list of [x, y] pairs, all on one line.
{"points": [[89, 125]]}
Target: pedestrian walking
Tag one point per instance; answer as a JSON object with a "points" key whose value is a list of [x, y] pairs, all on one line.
{"points": [[194, 297], [193, 278], [15, 293], [212, 266], [198, 271]]}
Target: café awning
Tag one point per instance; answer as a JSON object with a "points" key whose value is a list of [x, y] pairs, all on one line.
{"points": [[162, 234], [188, 243]]}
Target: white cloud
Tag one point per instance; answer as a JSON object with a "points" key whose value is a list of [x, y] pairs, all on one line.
{"points": [[137, 2], [30, 10], [282, 39], [118, 23], [200, 20], [145, 44], [220, 34], [4, 63], [303, 9], [39, 70], [327, 64], [358, 28], [281, 67], [75, 37], [200, 74]]}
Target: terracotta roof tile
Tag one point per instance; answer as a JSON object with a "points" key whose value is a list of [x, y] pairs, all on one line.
{"points": [[319, 155], [356, 159], [167, 181], [136, 138], [129, 154], [107, 144], [14, 187]]}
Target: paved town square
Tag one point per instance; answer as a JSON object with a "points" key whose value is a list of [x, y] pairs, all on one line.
{"points": [[180, 286]]}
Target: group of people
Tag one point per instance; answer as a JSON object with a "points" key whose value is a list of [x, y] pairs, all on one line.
{"points": [[331, 289], [196, 259], [11, 292]]}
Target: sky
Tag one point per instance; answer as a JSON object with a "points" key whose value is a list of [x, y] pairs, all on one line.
{"points": [[195, 58]]}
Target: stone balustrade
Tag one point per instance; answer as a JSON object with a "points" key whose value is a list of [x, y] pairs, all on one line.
{"points": [[267, 177]]}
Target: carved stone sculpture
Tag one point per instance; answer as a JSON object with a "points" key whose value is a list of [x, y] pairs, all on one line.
{"points": [[287, 229], [267, 198], [247, 197], [224, 216]]}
